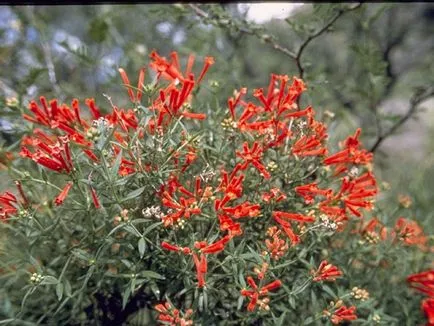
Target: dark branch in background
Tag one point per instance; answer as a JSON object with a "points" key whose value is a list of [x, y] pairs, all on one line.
{"points": [[318, 33], [393, 78], [415, 100], [223, 22]]}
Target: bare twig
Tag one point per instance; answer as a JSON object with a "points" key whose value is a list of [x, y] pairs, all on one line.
{"points": [[271, 40], [318, 33], [416, 99], [267, 38]]}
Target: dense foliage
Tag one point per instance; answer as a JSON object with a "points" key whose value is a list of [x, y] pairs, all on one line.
{"points": [[155, 206]]}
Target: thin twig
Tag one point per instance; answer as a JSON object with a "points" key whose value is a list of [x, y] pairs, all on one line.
{"points": [[416, 99], [318, 33], [267, 38]]}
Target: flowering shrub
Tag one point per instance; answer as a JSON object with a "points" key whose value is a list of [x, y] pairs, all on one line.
{"points": [[237, 216]]}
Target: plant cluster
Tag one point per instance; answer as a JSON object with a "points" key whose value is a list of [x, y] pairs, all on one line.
{"points": [[246, 216]]}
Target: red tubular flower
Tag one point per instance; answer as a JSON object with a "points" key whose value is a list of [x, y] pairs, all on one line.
{"points": [[184, 207], [423, 282], [253, 157], [428, 308], [410, 232], [8, 203], [171, 70], [171, 247], [351, 154], [90, 102], [209, 61], [277, 247], [133, 97], [293, 217], [95, 199], [233, 102], [326, 272], [256, 292], [217, 246], [373, 230], [61, 197], [309, 191], [343, 314], [55, 156], [165, 68], [172, 316], [354, 195], [251, 282], [275, 195], [270, 287], [287, 228], [201, 269], [308, 146]]}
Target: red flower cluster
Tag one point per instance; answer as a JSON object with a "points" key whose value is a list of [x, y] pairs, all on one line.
{"points": [[172, 316], [202, 248], [276, 247], [8, 207], [343, 314], [255, 295], [9, 203], [351, 154]]}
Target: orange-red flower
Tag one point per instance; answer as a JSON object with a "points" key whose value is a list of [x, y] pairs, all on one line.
{"points": [[309, 191], [186, 204], [354, 195], [133, 97], [326, 272], [343, 314], [53, 155], [8, 205], [275, 195], [276, 246], [423, 282], [256, 293], [428, 308], [410, 233], [351, 154], [284, 218], [62, 196], [253, 156], [169, 315]]}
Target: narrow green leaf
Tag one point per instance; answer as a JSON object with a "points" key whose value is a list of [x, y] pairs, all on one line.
{"points": [[151, 274], [327, 289], [133, 194], [281, 319], [49, 280], [125, 296], [115, 168], [59, 291], [142, 247], [240, 302], [67, 287], [151, 227]]}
